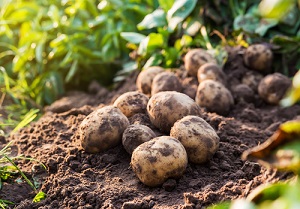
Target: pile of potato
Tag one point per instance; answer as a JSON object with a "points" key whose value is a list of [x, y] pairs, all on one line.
{"points": [[174, 104]]}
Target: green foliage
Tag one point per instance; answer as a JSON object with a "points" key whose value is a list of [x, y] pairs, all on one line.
{"points": [[9, 169], [47, 44], [167, 40], [294, 93], [39, 196]]}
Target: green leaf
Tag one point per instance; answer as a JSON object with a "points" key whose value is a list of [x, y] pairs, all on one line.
{"points": [[155, 60], [133, 37], [153, 20], [247, 23], [72, 71], [264, 25], [179, 11], [275, 9], [39, 197], [166, 4]]}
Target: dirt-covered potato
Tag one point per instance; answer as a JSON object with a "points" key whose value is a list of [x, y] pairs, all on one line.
{"points": [[134, 135], [165, 108], [102, 129], [211, 71], [190, 85], [195, 58], [214, 96], [159, 159], [131, 103], [145, 78], [198, 138], [165, 81], [273, 87], [252, 79], [242, 92], [258, 57]]}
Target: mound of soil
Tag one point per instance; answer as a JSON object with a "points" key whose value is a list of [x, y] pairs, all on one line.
{"points": [[75, 179]]}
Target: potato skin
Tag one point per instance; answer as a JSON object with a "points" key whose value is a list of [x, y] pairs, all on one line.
{"points": [[214, 96], [159, 159], [145, 78], [211, 71], [252, 79], [198, 138], [195, 58], [258, 57], [102, 129], [165, 108], [165, 81], [131, 103], [273, 87], [136, 134]]}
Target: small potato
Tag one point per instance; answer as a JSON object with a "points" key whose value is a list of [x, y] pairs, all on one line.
{"points": [[134, 135], [258, 57], [102, 129], [190, 85], [243, 92], [214, 96], [211, 71], [166, 81], [252, 79], [159, 159], [198, 138], [145, 78], [273, 87], [195, 58], [165, 108], [131, 103]]}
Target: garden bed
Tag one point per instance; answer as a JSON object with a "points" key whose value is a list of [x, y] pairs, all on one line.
{"points": [[75, 179]]}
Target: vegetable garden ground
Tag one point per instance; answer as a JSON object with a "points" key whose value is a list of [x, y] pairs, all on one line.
{"points": [[75, 179]]}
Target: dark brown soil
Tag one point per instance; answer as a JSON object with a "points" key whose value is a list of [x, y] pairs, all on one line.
{"points": [[75, 179]]}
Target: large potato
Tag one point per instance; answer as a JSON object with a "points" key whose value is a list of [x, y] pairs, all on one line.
{"points": [[214, 96], [131, 103], [273, 87], [165, 108], [195, 58], [102, 129], [166, 81], [258, 57], [198, 138], [159, 159], [211, 71], [136, 134], [145, 78]]}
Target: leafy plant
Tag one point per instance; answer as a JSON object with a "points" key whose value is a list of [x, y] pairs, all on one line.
{"points": [[165, 42]]}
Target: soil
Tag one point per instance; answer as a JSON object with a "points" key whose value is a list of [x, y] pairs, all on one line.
{"points": [[76, 179]]}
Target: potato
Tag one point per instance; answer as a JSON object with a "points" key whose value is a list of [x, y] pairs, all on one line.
{"points": [[195, 58], [131, 103], [252, 79], [102, 129], [134, 135], [214, 96], [211, 71], [258, 57], [242, 92], [198, 138], [190, 85], [145, 78], [273, 87], [166, 81], [165, 108], [159, 159]]}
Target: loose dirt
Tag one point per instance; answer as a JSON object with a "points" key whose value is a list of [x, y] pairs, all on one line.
{"points": [[75, 179]]}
